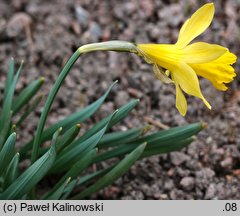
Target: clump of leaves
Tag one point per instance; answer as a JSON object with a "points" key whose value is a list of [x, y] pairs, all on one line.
{"points": [[69, 155]]}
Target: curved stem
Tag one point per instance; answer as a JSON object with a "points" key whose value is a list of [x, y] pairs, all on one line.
{"points": [[119, 46], [48, 104]]}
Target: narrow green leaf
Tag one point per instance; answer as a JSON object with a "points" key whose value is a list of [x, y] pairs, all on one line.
{"points": [[63, 140], [9, 79], [68, 137], [26, 94], [114, 174], [65, 159], [79, 166], [59, 191], [121, 113], [171, 135], [29, 109], [12, 171], [175, 146], [69, 121], [6, 110], [77, 117], [71, 155], [28, 179], [162, 142], [122, 137], [116, 152], [68, 189], [74, 171], [7, 153], [94, 175], [124, 111]]}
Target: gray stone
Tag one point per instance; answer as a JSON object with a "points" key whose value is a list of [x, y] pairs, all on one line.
{"points": [[187, 183], [211, 191], [227, 163], [121, 98], [178, 158], [205, 173], [169, 185], [82, 15]]}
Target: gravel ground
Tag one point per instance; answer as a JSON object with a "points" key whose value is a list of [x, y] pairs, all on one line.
{"points": [[45, 33]]}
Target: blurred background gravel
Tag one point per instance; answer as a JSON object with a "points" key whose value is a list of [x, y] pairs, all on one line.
{"points": [[45, 33]]}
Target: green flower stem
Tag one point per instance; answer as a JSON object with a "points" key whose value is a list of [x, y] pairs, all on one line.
{"points": [[48, 104], [119, 46]]}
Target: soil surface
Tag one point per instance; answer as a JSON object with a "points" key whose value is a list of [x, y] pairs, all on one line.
{"points": [[45, 33]]}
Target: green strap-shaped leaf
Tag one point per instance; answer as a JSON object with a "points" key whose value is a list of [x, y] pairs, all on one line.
{"points": [[71, 155], [77, 117], [6, 111], [79, 166], [122, 137], [73, 150], [69, 121], [66, 159], [122, 113], [63, 140], [26, 94], [116, 152], [94, 175], [68, 189], [9, 79], [11, 172], [74, 171], [114, 174], [59, 191], [29, 109], [171, 147], [7, 153], [173, 134], [28, 179], [68, 137], [162, 142]]}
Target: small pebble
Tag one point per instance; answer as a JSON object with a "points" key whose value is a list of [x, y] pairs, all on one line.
{"points": [[178, 158], [187, 183], [82, 15]]}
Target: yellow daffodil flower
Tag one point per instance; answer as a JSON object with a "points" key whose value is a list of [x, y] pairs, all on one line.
{"points": [[180, 63]]}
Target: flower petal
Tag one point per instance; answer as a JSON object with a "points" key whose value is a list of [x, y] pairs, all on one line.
{"points": [[188, 81], [201, 52], [181, 102], [165, 55], [218, 72], [196, 25]]}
